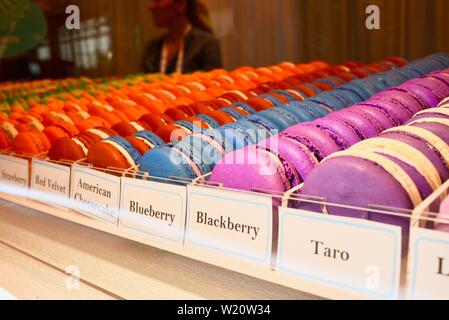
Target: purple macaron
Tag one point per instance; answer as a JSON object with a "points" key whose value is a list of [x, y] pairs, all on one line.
{"points": [[354, 181], [436, 86], [255, 168], [428, 96], [316, 139], [424, 147], [403, 98], [345, 129], [384, 119], [366, 125], [433, 113], [395, 109]]}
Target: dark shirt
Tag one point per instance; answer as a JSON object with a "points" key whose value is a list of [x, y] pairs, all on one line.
{"points": [[201, 52]]}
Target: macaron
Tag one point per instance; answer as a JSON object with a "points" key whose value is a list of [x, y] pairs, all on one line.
{"points": [[259, 104], [243, 107], [424, 146], [155, 121], [92, 122], [301, 113], [177, 113], [29, 143], [316, 109], [209, 146], [60, 129], [98, 134], [223, 117], [398, 111], [365, 125], [384, 119], [259, 169], [429, 96], [5, 139], [70, 149], [9, 128], [281, 117], [258, 122], [113, 152], [236, 134], [316, 139], [177, 130], [236, 112], [144, 141], [171, 162], [361, 179], [125, 129], [441, 113], [53, 117], [335, 126], [76, 148], [207, 120]]}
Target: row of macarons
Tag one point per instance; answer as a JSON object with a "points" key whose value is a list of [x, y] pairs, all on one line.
{"points": [[286, 160], [69, 118], [124, 153], [168, 90], [158, 95], [130, 101], [398, 169], [67, 143], [198, 153]]}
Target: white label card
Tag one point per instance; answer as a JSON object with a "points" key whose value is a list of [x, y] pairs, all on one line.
{"points": [[428, 264], [353, 255], [154, 209], [50, 182], [95, 193], [14, 171], [236, 223]]}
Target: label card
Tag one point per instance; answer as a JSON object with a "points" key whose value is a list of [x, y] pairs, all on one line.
{"points": [[14, 171], [354, 255], [231, 222], [154, 209], [50, 182], [428, 264], [95, 193]]}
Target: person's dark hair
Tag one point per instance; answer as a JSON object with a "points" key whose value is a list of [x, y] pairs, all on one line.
{"points": [[198, 15]]}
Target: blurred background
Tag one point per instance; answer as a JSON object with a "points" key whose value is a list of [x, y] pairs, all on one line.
{"points": [[114, 33]]}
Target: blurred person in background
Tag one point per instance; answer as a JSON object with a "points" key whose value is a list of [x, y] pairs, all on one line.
{"points": [[189, 44]]}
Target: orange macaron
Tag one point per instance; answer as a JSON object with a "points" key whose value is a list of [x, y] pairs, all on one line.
{"points": [[60, 130]]}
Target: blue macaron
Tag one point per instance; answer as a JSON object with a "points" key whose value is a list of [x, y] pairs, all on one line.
{"points": [[171, 162], [358, 89], [261, 122], [301, 113], [348, 97], [280, 116], [236, 135], [209, 147], [330, 101]]}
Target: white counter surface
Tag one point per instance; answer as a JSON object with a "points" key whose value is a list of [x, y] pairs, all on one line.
{"points": [[36, 249]]}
